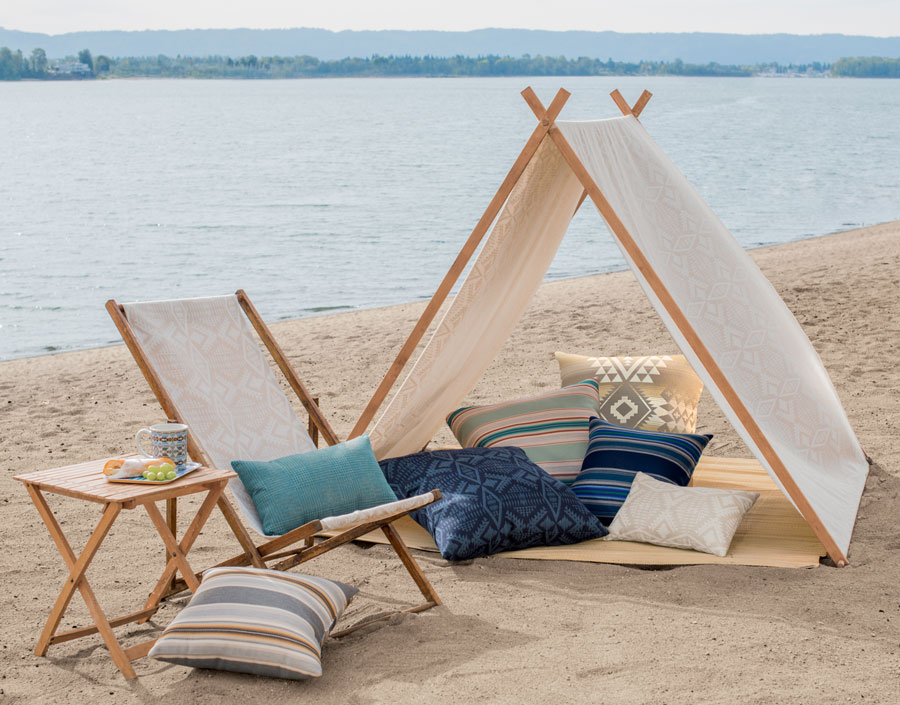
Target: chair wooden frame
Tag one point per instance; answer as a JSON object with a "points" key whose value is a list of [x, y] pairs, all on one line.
{"points": [[281, 549]]}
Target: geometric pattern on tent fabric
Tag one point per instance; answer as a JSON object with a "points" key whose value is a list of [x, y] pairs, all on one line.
{"points": [[520, 246], [211, 365], [736, 313], [494, 499], [651, 392], [699, 518]]}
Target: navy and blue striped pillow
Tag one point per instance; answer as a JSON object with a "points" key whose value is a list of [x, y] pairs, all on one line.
{"points": [[616, 454]]}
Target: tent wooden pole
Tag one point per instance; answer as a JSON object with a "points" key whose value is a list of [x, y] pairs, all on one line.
{"points": [[641, 103], [584, 195], [690, 335], [635, 109], [622, 103], [546, 118]]}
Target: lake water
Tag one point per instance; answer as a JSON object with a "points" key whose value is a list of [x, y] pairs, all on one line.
{"points": [[322, 195]]}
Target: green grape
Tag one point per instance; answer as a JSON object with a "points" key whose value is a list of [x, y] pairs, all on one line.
{"points": [[150, 475], [146, 474], [171, 475], [167, 468]]}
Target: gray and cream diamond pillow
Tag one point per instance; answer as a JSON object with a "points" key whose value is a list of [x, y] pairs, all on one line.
{"points": [[700, 518], [652, 393]]}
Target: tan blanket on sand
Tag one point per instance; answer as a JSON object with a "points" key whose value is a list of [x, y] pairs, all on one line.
{"points": [[772, 534]]}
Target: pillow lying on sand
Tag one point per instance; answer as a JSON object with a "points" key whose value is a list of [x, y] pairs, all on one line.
{"points": [[653, 393], [249, 620], [701, 518], [291, 491], [494, 499], [615, 455], [551, 427]]}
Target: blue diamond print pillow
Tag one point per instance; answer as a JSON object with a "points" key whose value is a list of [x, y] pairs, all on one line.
{"points": [[494, 499]]}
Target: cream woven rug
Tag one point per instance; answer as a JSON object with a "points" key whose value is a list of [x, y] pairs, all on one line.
{"points": [[772, 534]]}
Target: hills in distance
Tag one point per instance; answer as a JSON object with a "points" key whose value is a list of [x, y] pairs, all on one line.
{"points": [[692, 47]]}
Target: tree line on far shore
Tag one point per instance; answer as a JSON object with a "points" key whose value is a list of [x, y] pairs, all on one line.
{"points": [[14, 65], [867, 67]]}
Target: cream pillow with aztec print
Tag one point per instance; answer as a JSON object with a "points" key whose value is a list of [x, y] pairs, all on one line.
{"points": [[699, 518], [652, 393]]}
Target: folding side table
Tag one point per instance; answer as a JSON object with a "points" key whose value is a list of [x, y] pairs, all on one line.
{"points": [[87, 482]]}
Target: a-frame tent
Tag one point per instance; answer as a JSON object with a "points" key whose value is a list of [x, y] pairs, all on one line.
{"points": [[723, 313]]}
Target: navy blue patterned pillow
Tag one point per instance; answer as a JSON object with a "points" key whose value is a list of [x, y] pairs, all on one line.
{"points": [[616, 454], [495, 499]]}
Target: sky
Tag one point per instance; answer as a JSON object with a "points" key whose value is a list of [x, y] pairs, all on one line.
{"points": [[871, 17]]}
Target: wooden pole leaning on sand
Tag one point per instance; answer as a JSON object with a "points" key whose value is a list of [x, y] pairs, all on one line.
{"points": [[546, 119], [687, 330]]}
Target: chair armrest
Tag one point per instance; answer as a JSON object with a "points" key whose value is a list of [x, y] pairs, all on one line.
{"points": [[382, 511]]}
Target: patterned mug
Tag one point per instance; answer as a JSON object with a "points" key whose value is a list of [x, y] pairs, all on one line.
{"points": [[166, 440]]}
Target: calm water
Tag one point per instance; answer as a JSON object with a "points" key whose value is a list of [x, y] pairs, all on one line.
{"points": [[326, 195]]}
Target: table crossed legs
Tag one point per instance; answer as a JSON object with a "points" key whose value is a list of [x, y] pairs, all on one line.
{"points": [[177, 561]]}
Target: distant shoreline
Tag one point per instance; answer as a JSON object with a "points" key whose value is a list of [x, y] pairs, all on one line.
{"points": [[86, 66]]}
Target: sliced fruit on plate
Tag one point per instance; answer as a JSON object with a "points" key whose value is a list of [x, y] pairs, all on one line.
{"points": [[121, 468]]}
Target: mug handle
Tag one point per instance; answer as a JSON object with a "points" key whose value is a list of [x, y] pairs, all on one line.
{"points": [[137, 442]]}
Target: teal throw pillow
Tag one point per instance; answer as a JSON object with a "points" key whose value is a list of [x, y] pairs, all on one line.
{"points": [[291, 491]]}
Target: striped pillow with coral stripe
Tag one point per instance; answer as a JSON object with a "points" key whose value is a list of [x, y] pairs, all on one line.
{"points": [[250, 620], [552, 428]]}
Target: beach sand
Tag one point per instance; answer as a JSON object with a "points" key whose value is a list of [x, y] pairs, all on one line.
{"points": [[511, 630]]}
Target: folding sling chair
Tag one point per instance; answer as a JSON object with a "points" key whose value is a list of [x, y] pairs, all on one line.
{"points": [[207, 370]]}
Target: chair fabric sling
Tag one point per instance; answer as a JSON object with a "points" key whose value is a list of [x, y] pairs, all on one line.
{"points": [[204, 352], [206, 357]]}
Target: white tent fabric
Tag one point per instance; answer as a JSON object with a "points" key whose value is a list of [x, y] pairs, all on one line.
{"points": [[735, 311], [493, 297], [740, 318], [211, 365]]}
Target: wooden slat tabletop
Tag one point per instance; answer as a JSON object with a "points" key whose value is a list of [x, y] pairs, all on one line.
{"points": [[87, 481]]}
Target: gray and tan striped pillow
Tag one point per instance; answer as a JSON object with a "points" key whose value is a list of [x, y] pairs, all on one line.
{"points": [[249, 620]]}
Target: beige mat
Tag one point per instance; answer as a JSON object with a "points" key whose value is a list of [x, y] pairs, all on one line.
{"points": [[772, 534]]}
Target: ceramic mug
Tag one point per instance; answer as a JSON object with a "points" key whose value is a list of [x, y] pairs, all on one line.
{"points": [[166, 440]]}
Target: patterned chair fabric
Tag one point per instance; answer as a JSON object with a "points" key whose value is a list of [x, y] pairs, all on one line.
{"points": [[212, 366]]}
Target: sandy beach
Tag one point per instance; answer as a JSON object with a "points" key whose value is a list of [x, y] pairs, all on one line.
{"points": [[513, 631]]}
